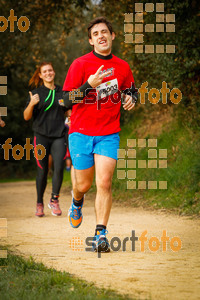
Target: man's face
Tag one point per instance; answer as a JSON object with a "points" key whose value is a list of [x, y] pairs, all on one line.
{"points": [[101, 39]]}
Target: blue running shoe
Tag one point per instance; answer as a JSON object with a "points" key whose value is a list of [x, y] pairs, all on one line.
{"points": [[100, 242], [75, 214]]}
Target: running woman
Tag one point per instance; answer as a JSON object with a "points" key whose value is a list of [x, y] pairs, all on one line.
{"points": [[49, 131], [95, 123]]}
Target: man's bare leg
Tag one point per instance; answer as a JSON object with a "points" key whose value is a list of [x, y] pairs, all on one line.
{"points": [[81, 181], [104, 167]]}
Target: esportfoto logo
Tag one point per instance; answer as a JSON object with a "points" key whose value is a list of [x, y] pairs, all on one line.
{"points": [[163, 23], [18, 151], [128, 164], [109, 91], [152, 243], [23, 22]]}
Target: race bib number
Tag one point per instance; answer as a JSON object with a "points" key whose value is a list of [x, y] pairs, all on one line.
{"points": [[107, 88]]}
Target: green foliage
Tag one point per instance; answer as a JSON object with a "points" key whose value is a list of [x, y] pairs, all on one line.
{"points": [[181, 69], [50, 24]]}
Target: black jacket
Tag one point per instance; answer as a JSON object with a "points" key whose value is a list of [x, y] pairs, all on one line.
{"points": [[48, 116]]}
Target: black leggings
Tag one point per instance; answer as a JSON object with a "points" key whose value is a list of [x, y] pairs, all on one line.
{"points": [[57, 148]]}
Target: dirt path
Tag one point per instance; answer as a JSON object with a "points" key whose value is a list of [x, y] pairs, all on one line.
{"points": [[159, 275]]}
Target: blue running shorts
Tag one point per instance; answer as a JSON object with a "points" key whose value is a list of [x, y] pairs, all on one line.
{"points": [[83, 147]]}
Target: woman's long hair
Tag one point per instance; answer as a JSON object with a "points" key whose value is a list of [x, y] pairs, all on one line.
{"points": [[35, 80]]}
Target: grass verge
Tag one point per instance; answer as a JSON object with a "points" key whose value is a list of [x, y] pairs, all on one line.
{"points": [[25, 279], [182, 173]]}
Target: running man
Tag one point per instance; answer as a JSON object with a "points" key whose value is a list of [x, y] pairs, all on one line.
{"points": [[95, 123]]}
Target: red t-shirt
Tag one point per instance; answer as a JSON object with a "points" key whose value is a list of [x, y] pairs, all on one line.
{"points": [[99, 117]]}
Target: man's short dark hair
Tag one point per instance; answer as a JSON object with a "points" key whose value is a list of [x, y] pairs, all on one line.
{"points": [[97, 21]]}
